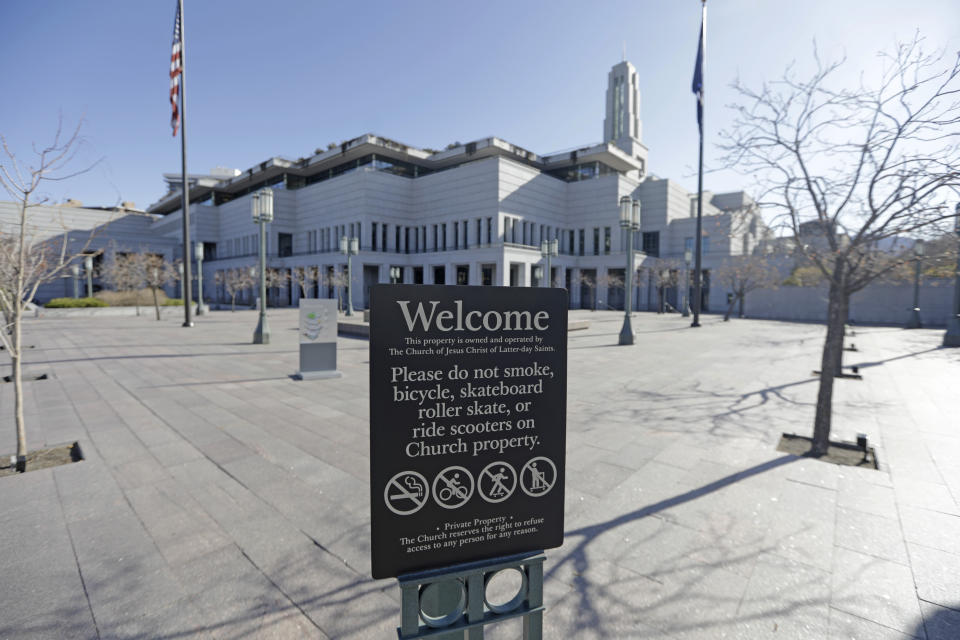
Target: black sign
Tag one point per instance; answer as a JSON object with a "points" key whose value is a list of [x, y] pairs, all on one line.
{"points": [[468, 407]]}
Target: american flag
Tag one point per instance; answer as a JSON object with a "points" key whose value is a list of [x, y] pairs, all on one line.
{"points": [[176, 68]]}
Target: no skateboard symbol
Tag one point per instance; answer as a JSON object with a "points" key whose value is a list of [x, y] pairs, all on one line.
{"points": [[538, 476], [452, 487], [406, 493], [497, 482]]}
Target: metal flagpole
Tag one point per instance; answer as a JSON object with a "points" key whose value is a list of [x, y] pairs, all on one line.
{"points": [[698, 262], [185, 203]]}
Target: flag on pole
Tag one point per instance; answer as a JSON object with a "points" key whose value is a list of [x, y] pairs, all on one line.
{"points": [[176, 66], [698, 73]]}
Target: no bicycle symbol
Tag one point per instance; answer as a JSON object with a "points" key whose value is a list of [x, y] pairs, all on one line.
{"points": [[452, 487], [406, 493]]}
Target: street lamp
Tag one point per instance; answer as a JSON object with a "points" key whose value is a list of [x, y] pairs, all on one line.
{"points": [[549, 249], [75, 271], [88, 268], [261, 205], [952, 337], [914, 322], [395, 275], [687, 259], [629, 222], [349, 247], [198, 253]]}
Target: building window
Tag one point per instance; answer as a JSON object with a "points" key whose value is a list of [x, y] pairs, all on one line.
{"points": [[606, 240], [284, 245], [456, 235], [373, 236], [583, 234], [443, 230], [651, 243], [596, 241], [688, 244]]}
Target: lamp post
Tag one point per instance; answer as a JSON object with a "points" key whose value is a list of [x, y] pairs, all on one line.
{"points": [[349, 247], [629, 222], [261, 205], [952, 337], [198, 253], [75, 272], [88, 268], [914, 322], [549, 249], [687, 258]]}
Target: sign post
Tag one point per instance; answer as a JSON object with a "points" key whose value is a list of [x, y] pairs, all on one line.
{"points": [[318, 339], [467, 441]]}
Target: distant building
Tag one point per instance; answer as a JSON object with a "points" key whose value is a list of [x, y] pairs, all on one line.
{"points": [[474, 213]]}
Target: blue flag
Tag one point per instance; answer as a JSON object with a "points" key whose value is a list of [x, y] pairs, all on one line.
{"points": [[697, 86]]}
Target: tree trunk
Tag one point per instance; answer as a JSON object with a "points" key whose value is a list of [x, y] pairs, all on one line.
{"points": [[832, 348], [233, 303], [17, 373], [726, 316], [156, 304], [844, 310], [742, 297]]}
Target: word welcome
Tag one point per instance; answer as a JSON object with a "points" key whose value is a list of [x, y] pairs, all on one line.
{"points": [[447, 320]]}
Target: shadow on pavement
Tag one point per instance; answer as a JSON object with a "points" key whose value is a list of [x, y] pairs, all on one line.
{"points": [[939, 623]]}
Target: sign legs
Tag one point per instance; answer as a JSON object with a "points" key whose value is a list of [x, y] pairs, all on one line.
{"points": [[453, 605]]}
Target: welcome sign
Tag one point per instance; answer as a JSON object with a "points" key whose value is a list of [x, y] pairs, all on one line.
{"points": [[467, 423]]}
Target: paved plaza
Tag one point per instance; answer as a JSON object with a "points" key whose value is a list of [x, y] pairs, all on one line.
{"points": [[220, 498]]}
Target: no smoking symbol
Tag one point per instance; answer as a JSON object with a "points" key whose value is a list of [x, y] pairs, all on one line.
{"points": [[406, 493]]}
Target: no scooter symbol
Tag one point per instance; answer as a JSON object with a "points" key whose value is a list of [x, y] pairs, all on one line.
{"points": [[538, 476]]}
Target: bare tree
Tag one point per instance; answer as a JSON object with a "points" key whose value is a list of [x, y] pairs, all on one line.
{"points": [[124, 274], [743, 274], [305, 277], [610, 281], [29, 259], [846, 167], [665, 274], [236, 281], [337, 280], [158, 272], [276, 278], [590, 282]]}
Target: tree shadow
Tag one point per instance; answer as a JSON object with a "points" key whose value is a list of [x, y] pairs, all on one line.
{"points": [[661, 582], [939, 623]]}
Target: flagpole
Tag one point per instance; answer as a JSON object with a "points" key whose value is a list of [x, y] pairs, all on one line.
{"points": [[698, 265], [185, 191]]}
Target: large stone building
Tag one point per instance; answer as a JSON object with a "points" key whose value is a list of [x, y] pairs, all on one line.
{"points": [[473, 213]]}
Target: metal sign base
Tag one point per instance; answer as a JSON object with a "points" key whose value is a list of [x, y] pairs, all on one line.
{"points": [[467, 620]]}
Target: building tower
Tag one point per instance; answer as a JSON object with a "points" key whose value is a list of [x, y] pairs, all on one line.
{"points": [[622, 125]]}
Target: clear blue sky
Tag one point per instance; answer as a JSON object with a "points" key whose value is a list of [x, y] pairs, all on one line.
{"points": [[284, 78]]}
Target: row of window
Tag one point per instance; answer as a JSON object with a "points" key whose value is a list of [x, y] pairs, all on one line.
{"points": [[446, 236]]}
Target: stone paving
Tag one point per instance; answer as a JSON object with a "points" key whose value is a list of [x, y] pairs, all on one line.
{"points": [[222, 499]]}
